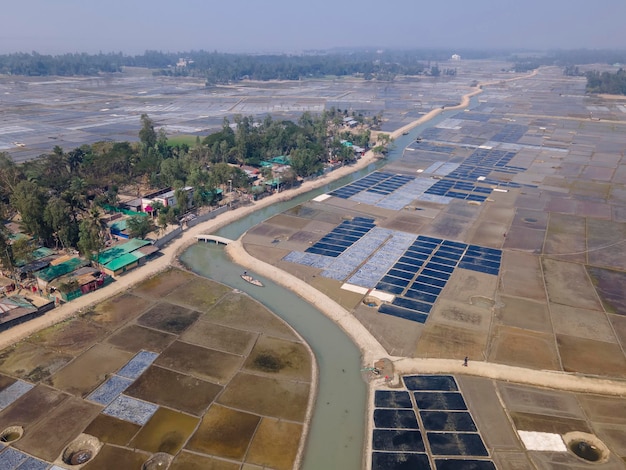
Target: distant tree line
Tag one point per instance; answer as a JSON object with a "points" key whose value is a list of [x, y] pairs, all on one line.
{"points": [[568, 59], [218, 67], [606, 82]]}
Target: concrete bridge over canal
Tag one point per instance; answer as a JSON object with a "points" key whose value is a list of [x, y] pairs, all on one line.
{"points": [[214, 238]]}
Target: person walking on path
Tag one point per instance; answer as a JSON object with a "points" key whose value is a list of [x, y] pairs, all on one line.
{"points": [[465, 361]]}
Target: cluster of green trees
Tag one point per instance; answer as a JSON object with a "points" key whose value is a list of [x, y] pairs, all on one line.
{"points": [[59, 196], [606, 82], [35, 64]]}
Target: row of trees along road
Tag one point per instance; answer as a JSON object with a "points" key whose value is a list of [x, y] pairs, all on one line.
{"points": [[59, 196]]}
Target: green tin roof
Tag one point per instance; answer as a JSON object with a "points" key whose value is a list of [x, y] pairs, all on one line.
{"points": [[281, 160], [121, 261], [42, 252], [119, 225], [116, 251], [61, 269]]}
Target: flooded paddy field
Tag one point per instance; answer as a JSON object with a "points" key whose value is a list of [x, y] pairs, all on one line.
{"points": [[169, 370]]}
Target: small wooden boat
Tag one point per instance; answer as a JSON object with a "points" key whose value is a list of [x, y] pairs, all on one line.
{"points": [[251, 280]]}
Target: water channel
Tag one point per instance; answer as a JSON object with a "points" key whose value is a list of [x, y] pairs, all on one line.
{"points": [[336, 434]]}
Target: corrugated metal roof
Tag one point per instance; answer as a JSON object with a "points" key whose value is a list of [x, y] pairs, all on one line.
{"points": [[118, 225], [61, 269], [42, 252], [121, 261], [116, 251]]}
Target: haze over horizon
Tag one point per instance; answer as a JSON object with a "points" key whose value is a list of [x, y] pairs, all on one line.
{"points": [[133, 27]]}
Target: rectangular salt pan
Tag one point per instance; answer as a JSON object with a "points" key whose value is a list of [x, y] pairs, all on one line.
{"points": [[138, 364], [13, 392], [130, 409], [542, 441], [109, 390]]}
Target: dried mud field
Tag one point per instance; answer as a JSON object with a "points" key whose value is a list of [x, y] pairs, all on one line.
{"points": [[177, 366]]}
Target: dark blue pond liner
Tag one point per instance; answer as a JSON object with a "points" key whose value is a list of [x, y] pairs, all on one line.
{"points": [[456, 195], [409, 267], [329, 247], [436, 192], [395, 419], [489, 264], [440, 267], [418, 286], [399, 461], [422, 296], [463, 464], [484, 249], [449, 250], [393, 440], [400, 312], [414, 262], [439, 401], [412, 305], [418, 252], [401, 274], [443, 443], [392, 399], [451, 421], [332, 241], [480, 189], [345, 193], [481, 262], [473, 256], [472, 251], [448, 255], [479, 269], [430, 239], [389, 288], [431, 281], [440, 383], [395, 281], [319, 251], [388, 186], [436, 274], [361, 221], [424, 243], [356, 234], [338, 240], [442, 260], [476, 197], [424, 250], [453, 244]]}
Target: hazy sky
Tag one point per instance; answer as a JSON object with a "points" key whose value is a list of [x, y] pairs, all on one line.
{"points": [[133, 26]]}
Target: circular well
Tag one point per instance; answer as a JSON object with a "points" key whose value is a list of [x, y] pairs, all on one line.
{"points": [[11, 434], [587, 447]]}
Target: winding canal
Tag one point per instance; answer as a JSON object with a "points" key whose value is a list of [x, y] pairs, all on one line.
{"points": [[336, 434]]}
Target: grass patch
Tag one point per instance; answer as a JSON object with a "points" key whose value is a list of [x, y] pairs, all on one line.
{"points": [[268, 363], [182, 139]]}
